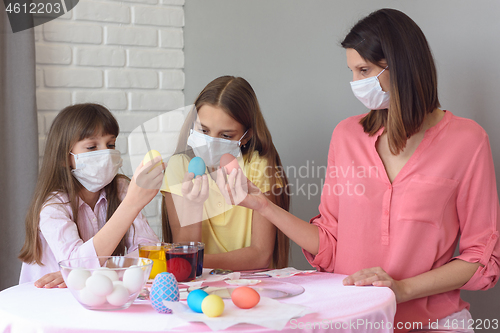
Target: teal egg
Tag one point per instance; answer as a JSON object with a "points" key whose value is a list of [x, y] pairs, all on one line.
{"points": [[197, 166], [195, 298]]}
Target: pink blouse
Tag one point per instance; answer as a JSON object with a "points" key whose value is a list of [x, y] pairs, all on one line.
{"points": [[446, 192], [59, 233]]}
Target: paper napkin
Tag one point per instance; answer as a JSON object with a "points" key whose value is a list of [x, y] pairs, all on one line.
{"points": [[268, 313]]}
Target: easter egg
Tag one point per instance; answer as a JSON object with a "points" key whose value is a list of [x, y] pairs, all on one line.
{"points": [[150, 155], [195, 298], [111, 274], [159, 266], [229, 162], [99, 285], [119, 296], [197, 166], [76, 278], [164, 288], [212, 306], [90, 299], [180, 268], [118, 283], [133, 279], [245, 297]]}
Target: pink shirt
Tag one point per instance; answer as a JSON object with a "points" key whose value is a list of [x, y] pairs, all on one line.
{"points": [[59, 234], [446, 191]]}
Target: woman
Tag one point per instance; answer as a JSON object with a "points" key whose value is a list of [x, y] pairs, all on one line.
{"points": [[435, 184]]}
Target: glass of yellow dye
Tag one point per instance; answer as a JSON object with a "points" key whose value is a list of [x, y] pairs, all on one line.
{"points": [[155, 252]]}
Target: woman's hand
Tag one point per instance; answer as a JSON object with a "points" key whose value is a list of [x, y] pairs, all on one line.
{"points": [[376, 276], [51, 280], [145, 183], [194, 192], [238, 190]]}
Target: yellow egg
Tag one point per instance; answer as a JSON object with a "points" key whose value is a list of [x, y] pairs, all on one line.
{"points": [[159, 266], [212, 306], [150, 155]]}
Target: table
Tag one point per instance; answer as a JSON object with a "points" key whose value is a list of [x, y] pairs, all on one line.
{"points": [[25, 309]]}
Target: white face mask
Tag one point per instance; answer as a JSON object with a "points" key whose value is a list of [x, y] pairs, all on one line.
{"points": [[370, 93], [211, 149], [96, 169]]}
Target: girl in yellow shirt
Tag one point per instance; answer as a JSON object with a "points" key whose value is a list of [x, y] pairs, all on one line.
{"points": [[226, 118]]}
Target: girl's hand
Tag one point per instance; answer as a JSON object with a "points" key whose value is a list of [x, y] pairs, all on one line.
{"points": [[51, 280], [238, 190], [145, 183], [195, 192], [376, 276]]}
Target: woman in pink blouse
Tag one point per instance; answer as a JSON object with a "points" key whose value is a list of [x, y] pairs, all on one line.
{"points": [[405, 183]]}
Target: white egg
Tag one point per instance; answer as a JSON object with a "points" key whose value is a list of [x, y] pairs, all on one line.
{"points": [[119, 296], [111, 274], [133, 279], [115, 283], [99, 285], [76, 278], [90, 299]]}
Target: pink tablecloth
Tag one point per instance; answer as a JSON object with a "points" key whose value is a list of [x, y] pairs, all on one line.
{"points": [[26, 309]]}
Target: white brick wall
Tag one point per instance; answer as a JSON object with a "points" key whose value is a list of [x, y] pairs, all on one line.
{"points": [[125, 54], [167, 16], [100, 56], [132, 36]]}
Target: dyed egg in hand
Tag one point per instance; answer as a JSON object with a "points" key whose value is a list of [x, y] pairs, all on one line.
{"points": [[195, 298], [212, 306], [150, 155], [197, 166], [245, 297], [229, 162]]}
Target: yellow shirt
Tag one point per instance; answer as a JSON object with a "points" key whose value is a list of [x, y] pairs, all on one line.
{"points": [[225, 227]]}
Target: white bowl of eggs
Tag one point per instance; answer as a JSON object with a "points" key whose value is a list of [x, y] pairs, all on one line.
{"points": [[106, 283]]}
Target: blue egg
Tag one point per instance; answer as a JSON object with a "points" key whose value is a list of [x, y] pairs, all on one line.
{"points": [[197, 166], [195, 298]]}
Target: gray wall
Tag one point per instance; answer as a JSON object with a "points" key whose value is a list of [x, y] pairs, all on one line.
{"points": [[289, 51]]}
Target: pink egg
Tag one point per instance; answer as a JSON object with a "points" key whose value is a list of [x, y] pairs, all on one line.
{"points": [[229, 162], [245, 297]]}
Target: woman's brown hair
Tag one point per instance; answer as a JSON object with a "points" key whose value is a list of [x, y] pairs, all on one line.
{"points": [[236, 97], [391, 36], [74, 123]]}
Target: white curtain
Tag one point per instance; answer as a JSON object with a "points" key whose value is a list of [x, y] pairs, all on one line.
{"points": [[18, 142]]}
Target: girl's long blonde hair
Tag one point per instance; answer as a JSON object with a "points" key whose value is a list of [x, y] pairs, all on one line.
{"points": [[74, 123], [236, 97]]}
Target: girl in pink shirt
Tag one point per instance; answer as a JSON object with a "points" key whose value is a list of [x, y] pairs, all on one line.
{"points": [[405, 184], [81, 206]]}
